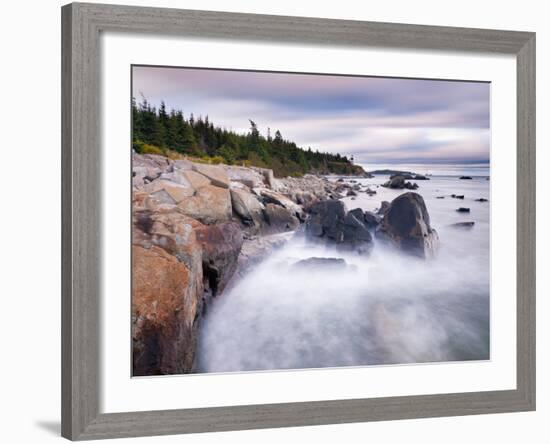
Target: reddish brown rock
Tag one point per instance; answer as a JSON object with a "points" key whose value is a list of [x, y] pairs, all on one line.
{"points": [[178, 264], [221, 245], [215, 173], [174, 233], [210, 205], [163, 338]]}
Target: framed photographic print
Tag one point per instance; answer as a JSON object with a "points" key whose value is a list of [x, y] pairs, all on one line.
{"points": [[278, 221]]}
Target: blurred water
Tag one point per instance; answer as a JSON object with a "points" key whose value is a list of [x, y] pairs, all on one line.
{"points": [[388, 308]]}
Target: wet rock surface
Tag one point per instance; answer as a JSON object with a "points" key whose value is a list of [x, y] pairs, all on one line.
{"points": [[406, 224], [330, 222]]}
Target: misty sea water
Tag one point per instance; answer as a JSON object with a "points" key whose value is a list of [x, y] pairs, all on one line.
{"points": [[386, 308]]}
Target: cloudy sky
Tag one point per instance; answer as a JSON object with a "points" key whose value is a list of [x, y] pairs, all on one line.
{"points": [[377, 120]]}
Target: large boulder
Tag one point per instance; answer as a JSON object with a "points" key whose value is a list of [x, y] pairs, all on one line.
{"points": [[269, 178], [173, 232], [406, 225], [246, 176], [169, 191], [197, 180], [270, 196], [221, 245], [148, 167], [399, 183], [356, 234], [210, 205], [325, 219], [163, 312], [247, 207], [216, 173], [152, 162], [330, 222], [279, 219]]}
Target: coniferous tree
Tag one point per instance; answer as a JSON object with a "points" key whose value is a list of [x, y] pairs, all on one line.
{"points": [[156, 131]]}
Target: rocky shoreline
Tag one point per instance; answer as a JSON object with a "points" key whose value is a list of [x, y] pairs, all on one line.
{"points": [[197, 227]]}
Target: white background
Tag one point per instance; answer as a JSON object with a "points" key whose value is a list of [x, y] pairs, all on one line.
{"points": [[121, 393], [30, 278]]}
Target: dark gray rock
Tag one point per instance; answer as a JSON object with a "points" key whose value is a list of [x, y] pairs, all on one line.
{"points": [[330, 222], [395, 182], [406, 176], [321, 263], [354, 228], [324, 218], [383, 207], [399, 183], [463, 225], [420, 177], [372, 220], [406, 225]]}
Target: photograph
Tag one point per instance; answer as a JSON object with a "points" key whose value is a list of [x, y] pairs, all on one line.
{"points": [[287, 221]]}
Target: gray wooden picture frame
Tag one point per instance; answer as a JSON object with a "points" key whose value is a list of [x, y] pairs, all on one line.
{"points": [[81, 232]]}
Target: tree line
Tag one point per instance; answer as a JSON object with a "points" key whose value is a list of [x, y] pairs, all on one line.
{"points": [[157, 131]]}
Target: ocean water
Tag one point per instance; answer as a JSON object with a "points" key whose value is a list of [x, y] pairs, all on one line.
{"points": [[387, 308], [436, 169]]}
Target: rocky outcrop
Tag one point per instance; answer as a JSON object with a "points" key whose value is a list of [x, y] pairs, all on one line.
{"points": [[399, 183], [406, 225], [329, 222], [272, 197], [247, 207], [210, 204], [164, 309], [190, 221], [215, 173], [173, 232], [246, 176], [420, 177], [169, 191], [221, 245], [325, 219]]}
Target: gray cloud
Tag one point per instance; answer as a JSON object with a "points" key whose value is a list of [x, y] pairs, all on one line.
{"points": [[376, 119]]}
